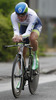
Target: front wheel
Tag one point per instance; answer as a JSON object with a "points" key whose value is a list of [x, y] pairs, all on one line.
{"points": [[33, 83], [17, 79]]}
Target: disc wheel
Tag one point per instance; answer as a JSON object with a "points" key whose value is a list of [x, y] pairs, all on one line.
{"points": [[33, 83]]}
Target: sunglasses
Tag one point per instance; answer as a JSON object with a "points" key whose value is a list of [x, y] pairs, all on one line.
{"points": [[21, 15]]}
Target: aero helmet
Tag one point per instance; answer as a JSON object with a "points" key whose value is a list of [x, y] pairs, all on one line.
{"points": [[21, 8]]}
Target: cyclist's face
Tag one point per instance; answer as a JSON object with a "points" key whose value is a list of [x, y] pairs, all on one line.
{"points": [[22, 18]]}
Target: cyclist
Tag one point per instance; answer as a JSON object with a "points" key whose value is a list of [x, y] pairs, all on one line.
{"points": [[30, 28]]}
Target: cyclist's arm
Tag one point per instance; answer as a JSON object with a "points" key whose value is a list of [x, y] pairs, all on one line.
{"points": [[15, 25]]}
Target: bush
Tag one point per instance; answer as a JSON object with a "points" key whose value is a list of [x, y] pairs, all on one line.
{"points": [[6, 31], [6, 34]]}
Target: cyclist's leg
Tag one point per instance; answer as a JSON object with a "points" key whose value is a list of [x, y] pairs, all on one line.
{"points": [[34, 36], [34, 43], [24, 54], [33, 40], [25, 49]]}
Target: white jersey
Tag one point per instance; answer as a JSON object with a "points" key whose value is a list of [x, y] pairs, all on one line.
{"points": [[30, 21]]}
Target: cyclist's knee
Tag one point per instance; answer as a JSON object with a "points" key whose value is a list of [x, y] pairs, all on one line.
{"points": [[33, 37]]}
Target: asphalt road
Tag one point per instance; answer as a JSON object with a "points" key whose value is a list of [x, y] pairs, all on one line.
{"points": [[45, 91], [47, 84]]}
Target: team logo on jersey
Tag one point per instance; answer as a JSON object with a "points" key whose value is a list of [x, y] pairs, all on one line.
{"points": [[20, 10]]}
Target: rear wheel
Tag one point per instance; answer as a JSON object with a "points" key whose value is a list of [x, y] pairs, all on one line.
{"points": [[33, 82], [17, 79]]}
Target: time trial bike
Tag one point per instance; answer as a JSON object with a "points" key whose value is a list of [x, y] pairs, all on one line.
{"points": [[21, 73]]}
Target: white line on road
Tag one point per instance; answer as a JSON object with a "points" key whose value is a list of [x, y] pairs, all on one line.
{"points": [[47, 78]]}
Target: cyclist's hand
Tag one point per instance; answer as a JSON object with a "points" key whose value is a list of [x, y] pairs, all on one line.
{"points": [[17, 38], [14, 38]]}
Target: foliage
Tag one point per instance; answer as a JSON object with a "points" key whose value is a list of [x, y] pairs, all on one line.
{"points": [[5, 39], [6, 30], [8, 5]]}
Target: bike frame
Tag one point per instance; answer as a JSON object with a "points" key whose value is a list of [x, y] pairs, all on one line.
{"points": [[21, 53]]}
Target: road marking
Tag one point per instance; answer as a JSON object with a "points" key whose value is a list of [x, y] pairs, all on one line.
{"points": [[5, 86], [42, 79], [47, 78]]}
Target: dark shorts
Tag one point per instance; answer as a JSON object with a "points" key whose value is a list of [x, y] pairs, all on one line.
{"points": [[22, 31]]}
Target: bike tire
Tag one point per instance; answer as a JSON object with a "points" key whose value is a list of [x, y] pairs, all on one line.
{"points": [[16, 92], [33, 84]]}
